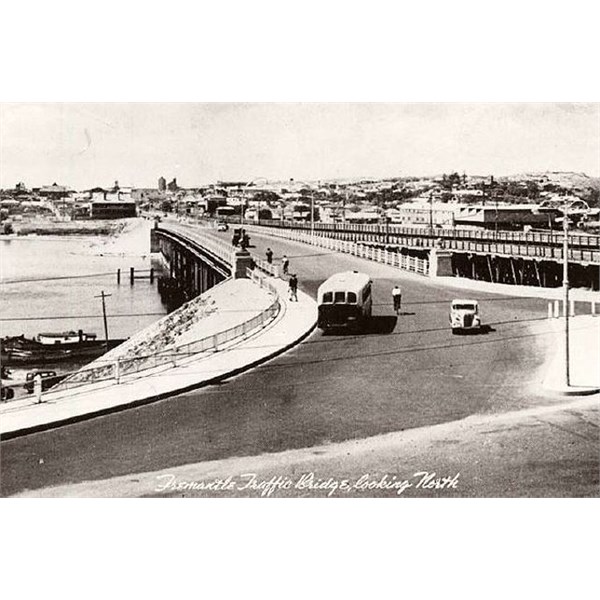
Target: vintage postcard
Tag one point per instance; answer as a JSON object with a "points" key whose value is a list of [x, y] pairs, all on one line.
{"points": [[300, 300]]}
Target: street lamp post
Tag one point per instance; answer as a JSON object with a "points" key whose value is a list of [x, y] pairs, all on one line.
{"points": [[312, 215], [431, 213], [566, 291], [252, 182], [496, 219], [312, 208]]}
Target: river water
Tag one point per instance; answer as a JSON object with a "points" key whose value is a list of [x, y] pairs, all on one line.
{"points": [[50, 283]]}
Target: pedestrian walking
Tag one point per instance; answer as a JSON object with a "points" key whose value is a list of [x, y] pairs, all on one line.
{"points": [[397, 298], [269, 254], [293, 283], [37, 387], [285, 263]]}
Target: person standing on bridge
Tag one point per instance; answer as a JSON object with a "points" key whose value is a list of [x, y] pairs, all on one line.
{"points": [[269, 254], [293, 283], [285, 263], [397, 298]]}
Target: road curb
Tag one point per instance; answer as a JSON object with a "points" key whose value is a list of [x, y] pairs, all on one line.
{"points": [[569, 392], [23, 431]]}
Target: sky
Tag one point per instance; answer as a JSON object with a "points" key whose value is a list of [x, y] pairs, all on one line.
{"points": [[86, 145]]}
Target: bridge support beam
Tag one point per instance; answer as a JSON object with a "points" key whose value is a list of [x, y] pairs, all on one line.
{"points": [[187, 272]]}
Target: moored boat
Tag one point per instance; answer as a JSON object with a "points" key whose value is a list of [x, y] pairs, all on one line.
{"points": [[50, 347]]}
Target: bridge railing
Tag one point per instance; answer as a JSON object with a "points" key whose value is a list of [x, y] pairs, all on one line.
{"points": [[223, 249], [585, 248], [117, 369], [265, 266], [261, 279], [472, 233], [217, 247], [361, 250]]}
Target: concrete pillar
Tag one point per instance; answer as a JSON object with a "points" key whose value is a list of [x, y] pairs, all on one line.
{"points": [[440, 263], [241, 261], [154, 239]]}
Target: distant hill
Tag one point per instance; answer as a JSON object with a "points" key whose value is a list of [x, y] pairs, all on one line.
{"points": [[564, 179]]}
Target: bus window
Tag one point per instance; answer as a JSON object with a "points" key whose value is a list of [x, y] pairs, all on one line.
{"points": [[339, 298], [351, 298], [327, 298]]}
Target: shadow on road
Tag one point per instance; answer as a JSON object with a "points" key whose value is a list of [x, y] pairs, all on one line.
{"points": [[483, 330], [380, 325]]}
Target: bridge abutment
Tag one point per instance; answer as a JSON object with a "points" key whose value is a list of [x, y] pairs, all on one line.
{"points": [[440, 263], [241, 262]]}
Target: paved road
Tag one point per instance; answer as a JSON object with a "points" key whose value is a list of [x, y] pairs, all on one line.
{"points": [[402, 373]]}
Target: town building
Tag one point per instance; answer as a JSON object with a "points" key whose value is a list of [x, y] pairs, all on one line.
{"points": [[116, 203], [105, 209], [510, 216], [423, 213], [54, 192]]}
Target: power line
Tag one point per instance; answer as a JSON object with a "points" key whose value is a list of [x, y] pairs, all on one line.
{"points": [[61, 277], [113, 315], [241, 310], [100, 362], [9, 281], [56, 318]]}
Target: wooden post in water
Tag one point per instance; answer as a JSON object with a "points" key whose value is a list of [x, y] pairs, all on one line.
{"points": [[151, 275], [131, 275], [118, 276]]}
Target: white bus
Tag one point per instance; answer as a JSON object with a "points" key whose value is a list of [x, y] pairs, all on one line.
{"points": [[225, 211], [344, 300]]}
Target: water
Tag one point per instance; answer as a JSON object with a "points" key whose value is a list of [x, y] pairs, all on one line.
{"points": [[50, 284]]}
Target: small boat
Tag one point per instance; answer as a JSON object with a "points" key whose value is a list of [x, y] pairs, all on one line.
{"points": [[66, 337], [51, 347]]}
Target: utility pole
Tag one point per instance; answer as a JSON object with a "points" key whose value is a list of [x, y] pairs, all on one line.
{"points": [[103, 296], [312, 215], [431, 212], [496, 219], [495, 197], [566, 289]]}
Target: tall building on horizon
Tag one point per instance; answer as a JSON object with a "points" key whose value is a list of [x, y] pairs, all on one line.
{"points": [[162, 184]]}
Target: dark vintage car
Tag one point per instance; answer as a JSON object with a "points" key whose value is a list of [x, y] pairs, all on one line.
{"points": [[6, 393], [240, 238], [49, 378]]}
